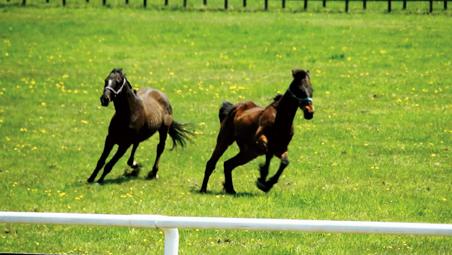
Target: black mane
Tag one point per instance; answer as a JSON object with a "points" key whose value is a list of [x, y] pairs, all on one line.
{"points": [[119, 70], [277, 97]]}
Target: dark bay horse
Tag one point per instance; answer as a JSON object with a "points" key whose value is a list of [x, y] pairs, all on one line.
{"points": [[261, 131], [139, 114]]}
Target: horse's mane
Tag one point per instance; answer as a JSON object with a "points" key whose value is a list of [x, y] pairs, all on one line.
{"points": [[277, 97], [276, 100], [119, 70]]}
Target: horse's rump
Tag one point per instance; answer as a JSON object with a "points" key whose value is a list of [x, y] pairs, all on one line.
{"points": [[244, 120]]}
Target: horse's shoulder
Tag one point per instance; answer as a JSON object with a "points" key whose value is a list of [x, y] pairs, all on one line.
{"points": [[268, 114]]}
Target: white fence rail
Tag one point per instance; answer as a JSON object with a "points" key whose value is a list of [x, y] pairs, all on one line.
{"points": [[170, 224]]}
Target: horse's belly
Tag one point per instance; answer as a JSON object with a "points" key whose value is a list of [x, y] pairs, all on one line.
{"points": [[245, 128], [146, 134]]}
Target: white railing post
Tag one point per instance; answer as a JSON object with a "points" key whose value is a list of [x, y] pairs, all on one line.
{"points": [[171, 241], [152, 221]]}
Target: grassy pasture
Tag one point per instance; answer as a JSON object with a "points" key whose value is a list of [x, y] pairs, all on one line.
{"points": [[378, 148]]}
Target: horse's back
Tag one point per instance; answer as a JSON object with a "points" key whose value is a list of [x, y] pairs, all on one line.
{"points": [[150, 94], [247, 112], [156, 105]]}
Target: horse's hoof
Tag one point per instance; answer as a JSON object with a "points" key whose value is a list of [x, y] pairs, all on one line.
{"points": [[229, 189], [203, 191], [90, 180], [263, 186], [231, 192], [135, 165], [152, 175]]}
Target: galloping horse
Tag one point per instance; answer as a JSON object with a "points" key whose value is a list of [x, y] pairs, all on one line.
{"points": [[139, 114], [261, 131]]}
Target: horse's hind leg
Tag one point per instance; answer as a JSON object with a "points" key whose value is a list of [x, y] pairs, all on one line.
{"points": [[163, 133], [131, 162], [239, 159], [224, 139], [101, 162], [220, 148], [107, 169]]}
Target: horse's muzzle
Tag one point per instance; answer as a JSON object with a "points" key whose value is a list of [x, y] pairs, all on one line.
{"points": [[104, 101], [308, 115], [308, 111]]}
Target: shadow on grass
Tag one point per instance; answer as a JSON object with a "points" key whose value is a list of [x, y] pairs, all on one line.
{"points": [[119, 180], [220, 193]]}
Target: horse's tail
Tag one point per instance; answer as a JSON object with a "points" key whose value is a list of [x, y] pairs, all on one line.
{"points": [[179, 134], [225, 108]]}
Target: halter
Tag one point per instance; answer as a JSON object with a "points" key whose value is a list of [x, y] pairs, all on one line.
{"points": [[300, 100], [120, 89]]}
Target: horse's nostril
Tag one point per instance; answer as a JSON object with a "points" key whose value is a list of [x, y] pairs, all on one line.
{"points": [[104, 101]]}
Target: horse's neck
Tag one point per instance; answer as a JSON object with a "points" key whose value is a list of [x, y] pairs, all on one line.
{"points": [[286, 110], [125, 103]]}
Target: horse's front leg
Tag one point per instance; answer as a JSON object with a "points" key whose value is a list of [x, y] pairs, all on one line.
{"points": [[101, 162], [132, 163], [163, 134], [263, 168], [273, 180], [260, 141], [107, 169]]}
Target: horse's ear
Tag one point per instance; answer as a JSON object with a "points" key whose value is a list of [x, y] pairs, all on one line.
{"points": [[117, 70], [297, 74]]}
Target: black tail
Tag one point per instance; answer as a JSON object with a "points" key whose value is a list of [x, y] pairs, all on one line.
{"points": [[224, 110], [179, 134]]}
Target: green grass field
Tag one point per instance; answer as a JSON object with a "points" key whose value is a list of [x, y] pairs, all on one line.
{"points": [[378, 148]]}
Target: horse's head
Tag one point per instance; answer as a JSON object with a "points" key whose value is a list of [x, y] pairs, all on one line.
{"points": [[114, 85], [301, 90]]}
